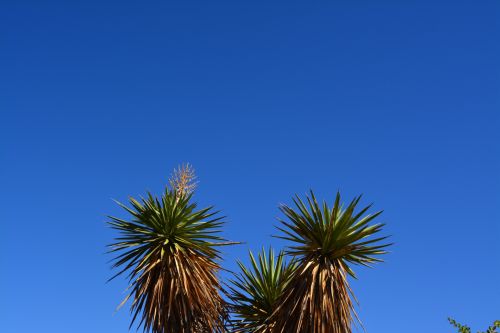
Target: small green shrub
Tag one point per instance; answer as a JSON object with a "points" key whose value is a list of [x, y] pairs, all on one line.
{"points": [[466, 329]]}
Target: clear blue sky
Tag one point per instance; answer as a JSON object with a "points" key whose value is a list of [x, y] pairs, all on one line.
{"points": [[398, 100]]}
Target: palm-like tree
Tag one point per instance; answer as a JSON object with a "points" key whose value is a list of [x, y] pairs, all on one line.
{"points": [[255, 291], [326, 241], [168, 249]]}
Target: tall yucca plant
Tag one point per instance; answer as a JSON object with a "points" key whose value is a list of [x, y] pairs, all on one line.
{"points": [[168, 249], [326, 242], [256, 289]]}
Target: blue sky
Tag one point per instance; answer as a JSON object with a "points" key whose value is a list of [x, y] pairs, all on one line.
{"points": [[398, 100]]}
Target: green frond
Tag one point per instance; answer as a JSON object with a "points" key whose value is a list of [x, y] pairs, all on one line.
{"points": [[336, 233], [168, 250], [256, 289]]}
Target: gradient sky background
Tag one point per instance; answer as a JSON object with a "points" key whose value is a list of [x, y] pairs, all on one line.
{"points": [[398, 100]]}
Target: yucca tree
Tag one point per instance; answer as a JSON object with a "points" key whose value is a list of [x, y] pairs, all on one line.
{"points": [[325, 242], [168, 249], [256, 289]]}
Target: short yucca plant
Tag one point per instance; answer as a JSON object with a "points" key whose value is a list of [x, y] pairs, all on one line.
{"points": [[325, 242], [168, 249], [256, 289]]}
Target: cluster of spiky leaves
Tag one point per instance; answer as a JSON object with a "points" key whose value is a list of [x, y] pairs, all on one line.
{"points": [[326, 241], [256, 290], [168, 249]]}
